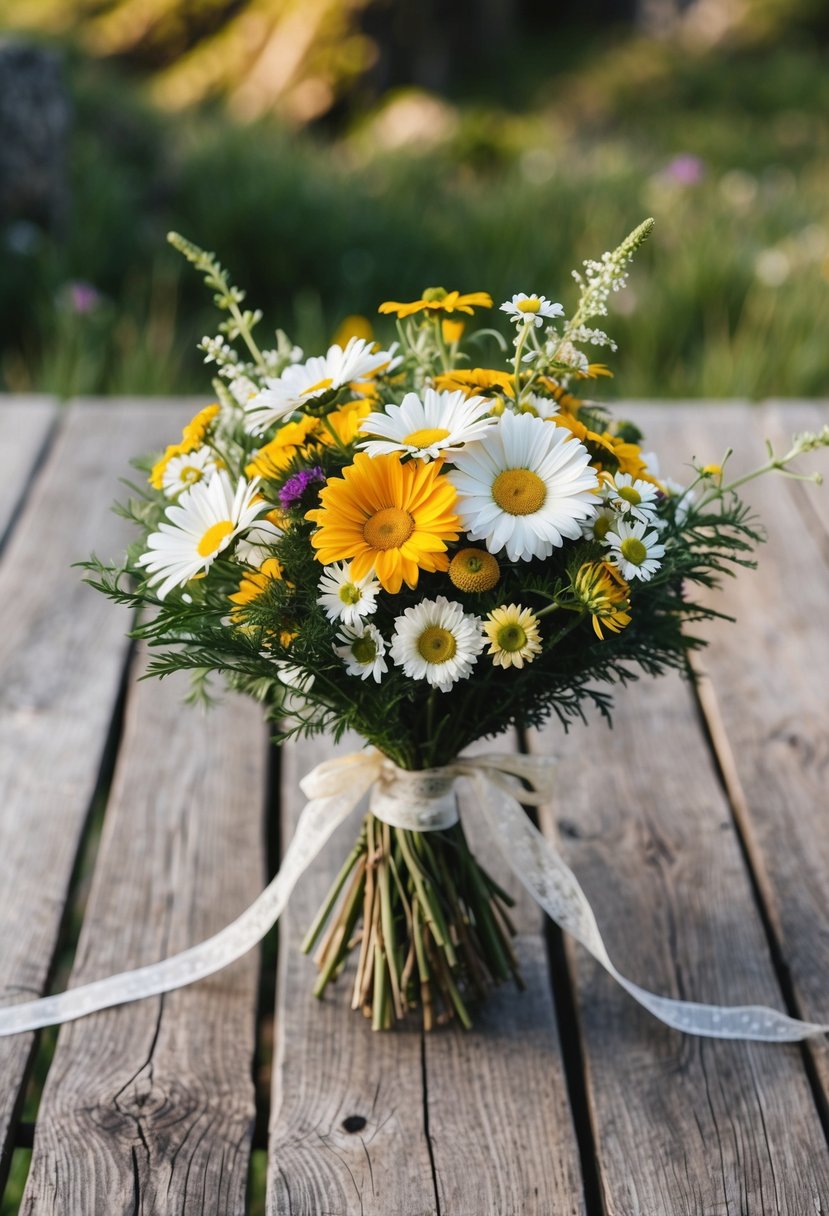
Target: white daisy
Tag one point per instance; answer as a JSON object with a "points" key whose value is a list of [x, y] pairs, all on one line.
{"points": [[436, 641], [345, 598], [525, 487], [524, 309], [363, 651], [201, 524], [634, 550], [302, 383], [598, 526], [428, 426], [538, 406], [182, 472], [632, 497]]}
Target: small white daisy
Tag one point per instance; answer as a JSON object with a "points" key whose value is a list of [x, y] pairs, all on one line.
{"points": [[525, 487], [201, 524], [632, 498], [434, 424], [513, 634], [598, 526], [363, 651], [538, 406], [634, 550], [182, 472], [301, 383], [437, 641], [524, 309], [345, 598]]}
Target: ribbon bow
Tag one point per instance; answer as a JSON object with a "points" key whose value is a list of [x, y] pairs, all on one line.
{"points": [[420, 801]]}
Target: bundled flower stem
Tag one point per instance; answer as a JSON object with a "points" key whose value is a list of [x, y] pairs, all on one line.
{"points": [[427, 552], [428, 923]]}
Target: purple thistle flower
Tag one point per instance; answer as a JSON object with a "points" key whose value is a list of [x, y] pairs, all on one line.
{"points": [[295, 489]]}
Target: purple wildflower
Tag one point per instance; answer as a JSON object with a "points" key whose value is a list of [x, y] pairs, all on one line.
{"points": [[685, 170], [298, 489]]}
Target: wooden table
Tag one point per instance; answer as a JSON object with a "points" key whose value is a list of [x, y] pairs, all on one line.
{"points": [[132, 826]]}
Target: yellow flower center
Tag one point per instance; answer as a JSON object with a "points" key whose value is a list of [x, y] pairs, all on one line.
{"points": [[434, 295], [364, 649], [633, 550], [601, 527], [511, 637], [190, 475], [519, 491], [630, 495], [426, 436], [531, 305], [474, 570], [349, 594], [211, 541], [388, 529], [436, 645]]}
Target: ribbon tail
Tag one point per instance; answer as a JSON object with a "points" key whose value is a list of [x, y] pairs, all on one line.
{"points": [[318, 821], [556, 889]]}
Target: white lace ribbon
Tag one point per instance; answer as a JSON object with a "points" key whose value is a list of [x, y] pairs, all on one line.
{"points": [[421, 801]]}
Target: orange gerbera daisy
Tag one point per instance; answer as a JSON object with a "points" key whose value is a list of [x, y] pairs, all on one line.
{"points": [[389, 517], [436, 300]]}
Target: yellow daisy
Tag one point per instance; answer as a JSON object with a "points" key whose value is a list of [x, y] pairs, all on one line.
{"points": [[345, 422], [272, 459], [477, 380], [192, 437], [436, 300], [254, 584], [193, 434], [392, 518], [514, 637], [600, 589]]}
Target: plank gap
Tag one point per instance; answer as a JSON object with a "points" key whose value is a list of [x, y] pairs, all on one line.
{"points": [[35, 469], [21, 1159], [90, 836], [66, 941], [257, 1193], [266, 998], [704, 699], [572, 1052], [430, 1148]]}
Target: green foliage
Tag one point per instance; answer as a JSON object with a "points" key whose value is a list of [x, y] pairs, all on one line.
{"points": [[730, 299]]}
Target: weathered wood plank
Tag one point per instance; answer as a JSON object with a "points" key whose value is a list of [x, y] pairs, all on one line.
{"points": [[62, 650], [682, 1125], [500, 1124], [26, 423], [767, 705], [150, 1107], [330, 1068]]}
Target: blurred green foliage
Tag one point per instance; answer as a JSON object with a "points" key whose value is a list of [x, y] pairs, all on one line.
{"points": [[728, 149]]}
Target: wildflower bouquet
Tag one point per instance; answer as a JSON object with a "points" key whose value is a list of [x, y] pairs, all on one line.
{"points": [[426, 550]]}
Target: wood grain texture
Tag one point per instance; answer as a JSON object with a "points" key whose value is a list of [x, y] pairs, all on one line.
{"points": [[767, 702], [682, 1125], [26, 423], [150, 1107], [62, 650], [330, 1067], [499, 1115]]}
